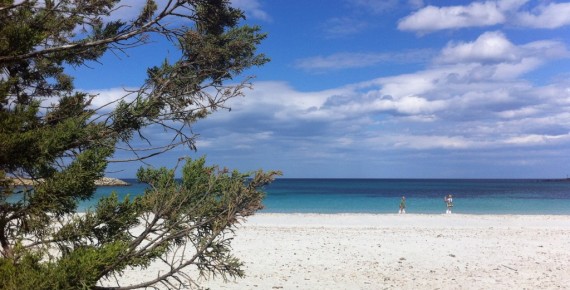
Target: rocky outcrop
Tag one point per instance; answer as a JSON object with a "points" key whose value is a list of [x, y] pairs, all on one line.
{"points": [[105, 181], [109, 181], [23, 181]]}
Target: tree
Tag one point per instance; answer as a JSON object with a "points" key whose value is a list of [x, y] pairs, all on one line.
{"points": [[50, 133]]}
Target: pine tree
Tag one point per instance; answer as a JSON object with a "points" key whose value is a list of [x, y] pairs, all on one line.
{"points": [[51, 134]]}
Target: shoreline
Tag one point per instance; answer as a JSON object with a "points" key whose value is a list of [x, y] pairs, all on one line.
{"points": [[409, 219], [391, 251]]}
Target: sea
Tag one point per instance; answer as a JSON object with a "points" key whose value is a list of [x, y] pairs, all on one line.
{"points": [[382, 196]]}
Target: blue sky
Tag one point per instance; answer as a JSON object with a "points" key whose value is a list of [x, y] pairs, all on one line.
{"points": [[386, 89]]}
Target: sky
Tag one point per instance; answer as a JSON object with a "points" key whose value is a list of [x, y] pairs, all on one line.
{"points": [[385, 89]]}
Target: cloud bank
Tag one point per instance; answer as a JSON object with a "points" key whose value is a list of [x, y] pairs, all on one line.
{"points": [[471, 100], [488, 13], [491, 102]]}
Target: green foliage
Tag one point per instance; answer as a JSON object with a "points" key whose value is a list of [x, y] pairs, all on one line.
{"points": [[51, 134], [75, 270], [194, 213]]}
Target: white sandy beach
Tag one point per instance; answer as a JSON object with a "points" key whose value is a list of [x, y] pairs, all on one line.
{"points": [[366, 251]]}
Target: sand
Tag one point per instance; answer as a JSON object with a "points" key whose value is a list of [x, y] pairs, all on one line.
{"points": [[365, 251]]}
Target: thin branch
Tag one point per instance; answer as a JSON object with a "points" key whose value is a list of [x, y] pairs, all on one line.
{"points": [[2, 8], [84, 45], [171, 273]]}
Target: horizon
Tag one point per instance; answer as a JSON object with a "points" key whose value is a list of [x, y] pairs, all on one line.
{"points": [[401, 178], [382, 89]]}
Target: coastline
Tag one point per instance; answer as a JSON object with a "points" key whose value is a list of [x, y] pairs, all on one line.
{"points": [[103, 181], [411, 251]]}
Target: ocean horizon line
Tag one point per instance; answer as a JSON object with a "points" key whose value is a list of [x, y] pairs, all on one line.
{"points": [[409, 178]]}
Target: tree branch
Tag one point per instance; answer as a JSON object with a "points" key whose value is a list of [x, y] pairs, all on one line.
{"points": [[147, 27]]}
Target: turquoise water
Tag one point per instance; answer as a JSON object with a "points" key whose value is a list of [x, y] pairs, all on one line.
{"points": [[383, 196]]}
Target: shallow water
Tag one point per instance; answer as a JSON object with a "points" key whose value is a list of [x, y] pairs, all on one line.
{"points": [[491, 196]]}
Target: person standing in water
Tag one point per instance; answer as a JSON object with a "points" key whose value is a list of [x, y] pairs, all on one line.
{"points": [[448, 202], [402, 205]]}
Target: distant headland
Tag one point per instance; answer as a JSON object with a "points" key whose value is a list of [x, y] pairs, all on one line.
{"points": [[104, 181], [110, 181]]}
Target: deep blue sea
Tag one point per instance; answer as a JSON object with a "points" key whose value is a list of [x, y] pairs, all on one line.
{"points": [[488, 196]]}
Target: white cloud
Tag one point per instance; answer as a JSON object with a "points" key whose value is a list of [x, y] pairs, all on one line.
{"points": [[355, 106], [470, 74], [547, 49], [496, 57], [419, 83], [519, 113], [488, 13], [489, 47], [281, 102], [444, 115], [536, 139], [107, 99], [427, 142], [423, 142], [514, 70], [431, 18], [471, 98], [410, 105], [550, 16]]}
